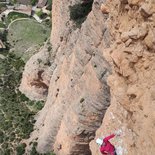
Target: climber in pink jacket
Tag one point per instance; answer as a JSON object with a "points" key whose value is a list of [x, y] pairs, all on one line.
{"points": [[106, 148]]}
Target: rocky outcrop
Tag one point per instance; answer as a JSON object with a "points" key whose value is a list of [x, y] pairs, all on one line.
{"points": [[37, 74], [78, 94], [119, 33], [132, 81]]}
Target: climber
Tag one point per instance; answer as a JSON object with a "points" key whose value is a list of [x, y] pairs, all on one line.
{"points": [[106, 147]]}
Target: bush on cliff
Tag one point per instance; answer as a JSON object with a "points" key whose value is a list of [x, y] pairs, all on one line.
{"points": [[79, 12]]}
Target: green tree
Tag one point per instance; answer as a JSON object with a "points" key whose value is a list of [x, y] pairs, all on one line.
{"points": [[34, 2]]}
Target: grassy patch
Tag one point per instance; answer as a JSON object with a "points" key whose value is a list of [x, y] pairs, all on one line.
{"points": [[15, 15], [2, 24], [26, 36]]}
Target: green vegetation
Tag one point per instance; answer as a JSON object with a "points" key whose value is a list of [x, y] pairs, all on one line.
{"points": [[34, 152], [20, 149], [95, 66], [15, 114], [14, 1], [3, 34], [79, 12], [22, 40], [49, 5], [27, 36], [15, 15], [2, 24], [2, 7], [48, 22], [33, 2], [41, 14], [3, 37], [82, 100]]}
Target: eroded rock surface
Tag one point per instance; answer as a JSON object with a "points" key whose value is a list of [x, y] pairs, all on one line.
{"points": [[78, 94], [37, 74], [132, 81], [119, 33]]}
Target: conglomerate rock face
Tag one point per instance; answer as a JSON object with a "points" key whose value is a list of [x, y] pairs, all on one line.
{"points": [[132, 83], [119, 36], [78, 94], [37, 74]]}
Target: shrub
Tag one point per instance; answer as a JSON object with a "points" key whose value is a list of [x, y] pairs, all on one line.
{"points": [[48, 23], [12, 136], [7, 152], [2, 24], [49, 48], [34, 2], [14, 1], [82, 100], [3, 35], [33, 151], [95, 66], [79, 12], [39, 13], [39, 60], [17, 118], [15, 15], [49, 5], [21, 149], [5, 145], [39, 105], [1, 136]]}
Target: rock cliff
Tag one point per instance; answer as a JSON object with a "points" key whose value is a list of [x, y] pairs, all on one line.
{"points": [[108, 59], [132, 58]]}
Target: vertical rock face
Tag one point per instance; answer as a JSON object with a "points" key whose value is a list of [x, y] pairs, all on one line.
{"points": [[78, 91], [120, 33], [132, 81], [78, 94], [36, 77]]}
